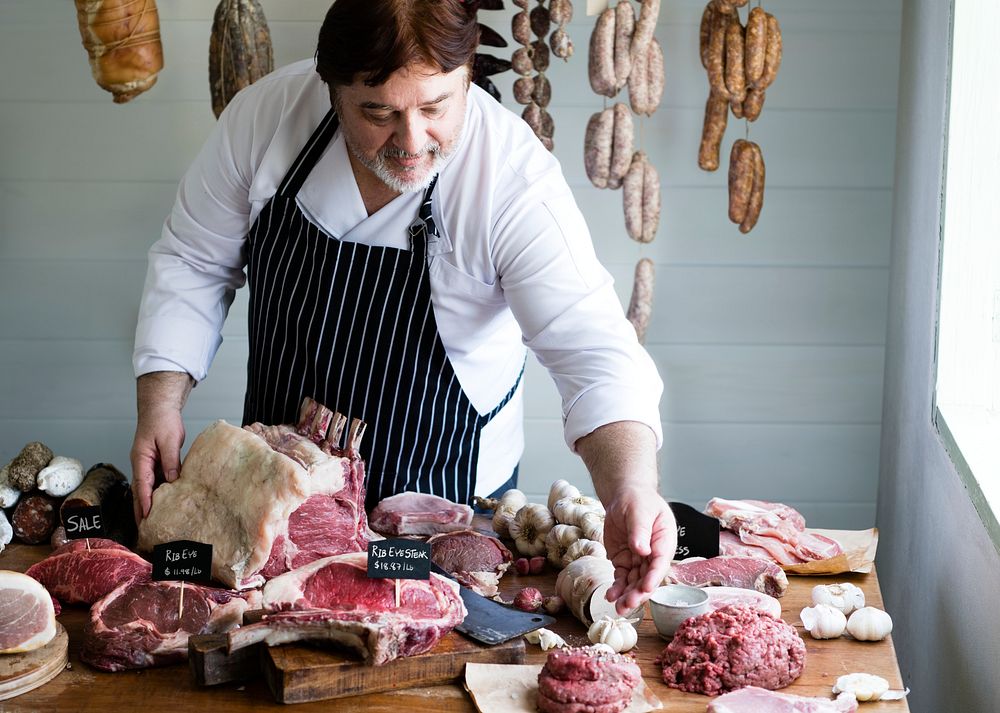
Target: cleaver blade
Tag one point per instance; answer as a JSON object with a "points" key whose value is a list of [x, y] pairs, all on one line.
{"points": [[491, 623]]}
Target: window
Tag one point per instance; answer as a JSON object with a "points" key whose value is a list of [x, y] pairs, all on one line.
{"points": [[967, 395]]}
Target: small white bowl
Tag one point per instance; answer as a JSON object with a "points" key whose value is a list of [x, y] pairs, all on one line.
{"points": [[673, 603]]}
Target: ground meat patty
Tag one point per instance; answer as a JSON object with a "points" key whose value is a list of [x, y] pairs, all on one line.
{"points": [[583, 680], [730, 648]]}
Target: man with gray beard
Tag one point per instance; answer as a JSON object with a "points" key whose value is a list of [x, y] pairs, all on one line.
{"points": [[404, 239]]}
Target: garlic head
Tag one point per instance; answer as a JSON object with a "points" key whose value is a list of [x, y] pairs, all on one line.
{"points": [[570, 510], [844, 596], [561, 489], [508, 505], [823, 621], [529, 527], [558, 540], [869, 624], [583, 548], [592, 524], [616, 632], [863, 686]]}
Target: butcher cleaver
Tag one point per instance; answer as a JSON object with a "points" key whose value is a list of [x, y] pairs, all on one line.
{"points": [[492, 623]]}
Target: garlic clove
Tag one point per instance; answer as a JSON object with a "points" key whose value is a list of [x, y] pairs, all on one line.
{"points": [[864, 686], [545, 638]]}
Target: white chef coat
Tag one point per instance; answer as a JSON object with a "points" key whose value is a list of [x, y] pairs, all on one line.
{"points": [[514, 264]]}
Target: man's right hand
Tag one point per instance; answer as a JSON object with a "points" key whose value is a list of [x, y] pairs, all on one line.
{"points": [[159, 434]]}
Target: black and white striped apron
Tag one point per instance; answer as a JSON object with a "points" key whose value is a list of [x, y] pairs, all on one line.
{"points": [[352, 326]]}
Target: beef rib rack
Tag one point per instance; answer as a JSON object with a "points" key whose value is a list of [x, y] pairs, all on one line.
{"points": [[267, 498]]}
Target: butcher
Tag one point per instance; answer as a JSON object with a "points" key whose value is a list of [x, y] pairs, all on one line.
{"points": [[405, 240]]}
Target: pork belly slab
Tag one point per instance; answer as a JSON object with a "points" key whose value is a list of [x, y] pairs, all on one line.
{"points": [[412, 513], [267, 498], [772, 528]]}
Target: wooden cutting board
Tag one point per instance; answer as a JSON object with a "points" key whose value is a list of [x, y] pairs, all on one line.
{"points": [[20, 673], [297, 673]]}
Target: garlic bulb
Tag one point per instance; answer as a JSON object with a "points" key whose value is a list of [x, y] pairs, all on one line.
{"points": [[863, 686], [869, 624], [510, 502], [558, 540], [592, 524], [823, 621], [529, 527], [572, 509], [617, 632], [844, 596], [583, 548], [561, 489]]}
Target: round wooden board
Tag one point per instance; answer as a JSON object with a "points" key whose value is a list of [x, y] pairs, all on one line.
{"points": [[20, 673]]}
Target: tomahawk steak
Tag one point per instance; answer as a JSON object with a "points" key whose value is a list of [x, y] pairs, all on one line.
{"points": [[267, 498], [143, 624], [334, 599], [412, 513]]}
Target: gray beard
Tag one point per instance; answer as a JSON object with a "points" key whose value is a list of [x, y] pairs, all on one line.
{"points": [[379, 165]]}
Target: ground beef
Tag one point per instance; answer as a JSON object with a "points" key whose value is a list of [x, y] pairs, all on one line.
{"points": [[730, 648], [585, 680]]}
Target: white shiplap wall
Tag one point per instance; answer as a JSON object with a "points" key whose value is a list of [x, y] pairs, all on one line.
{"points": [[771, 345]]}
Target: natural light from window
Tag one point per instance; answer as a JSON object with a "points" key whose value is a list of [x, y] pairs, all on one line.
{"points": [[968, 350]]}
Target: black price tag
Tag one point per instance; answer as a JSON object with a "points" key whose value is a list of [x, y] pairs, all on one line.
{"points": [[182, 559], [697, 533], [83, 522], [399, 559]]}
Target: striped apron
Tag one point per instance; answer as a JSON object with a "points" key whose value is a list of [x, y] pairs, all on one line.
{"points": [[352, 326]]}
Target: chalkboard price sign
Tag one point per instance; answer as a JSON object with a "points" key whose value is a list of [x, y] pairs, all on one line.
{"points": [[399, 559], [83, 522], [697, 533], [183, 560]]}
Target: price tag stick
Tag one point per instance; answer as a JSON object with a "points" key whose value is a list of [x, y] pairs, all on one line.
{"points": [[397, 593], [180, 603], [88, 544]]}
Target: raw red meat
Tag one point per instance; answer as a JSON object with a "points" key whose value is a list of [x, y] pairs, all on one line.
{"points": [[743, 572], [267, 498], [774, 527], [76, 575], [719, 597], [476, 560], [142, 624], [731, 648], [759, 700], [419, 514], [333, 599], [88, 543], [27, 619], [585, 680]]}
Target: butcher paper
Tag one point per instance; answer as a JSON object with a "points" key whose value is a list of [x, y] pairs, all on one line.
{"points": [[858, 555], [511, 688]]}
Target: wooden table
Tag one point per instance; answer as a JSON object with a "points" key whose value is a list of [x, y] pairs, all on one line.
{"points": [[171, 690]]}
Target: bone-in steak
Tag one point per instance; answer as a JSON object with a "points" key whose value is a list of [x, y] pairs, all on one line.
{"points": [[143, 623], [267, 498], [743, 572], [333, 599], [476, 560], [419, 514]]}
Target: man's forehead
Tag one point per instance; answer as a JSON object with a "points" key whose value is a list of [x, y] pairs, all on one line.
{"points": [[413, 84]]}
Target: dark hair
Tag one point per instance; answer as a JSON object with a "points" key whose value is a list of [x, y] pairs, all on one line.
{"points": [[374, 38]]}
